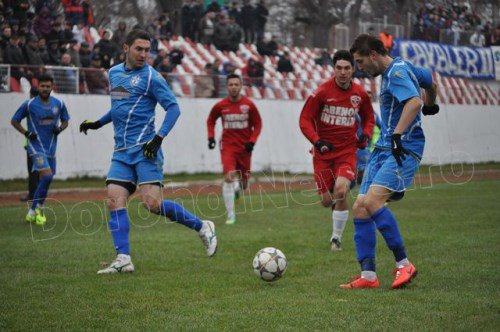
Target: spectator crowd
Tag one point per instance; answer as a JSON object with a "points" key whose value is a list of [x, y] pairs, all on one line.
{"points": [[455, 24], [38, 34]]}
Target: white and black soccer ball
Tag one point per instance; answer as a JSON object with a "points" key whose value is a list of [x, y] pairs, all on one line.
{"points": [[269, 264]]}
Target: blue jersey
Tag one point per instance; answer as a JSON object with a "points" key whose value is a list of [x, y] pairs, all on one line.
{"points": [[42, 119], [401, 82], [134, 94]]}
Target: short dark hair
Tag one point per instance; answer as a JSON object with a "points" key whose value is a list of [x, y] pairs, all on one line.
{"points": [[364, 44], [230, 76], [343, 55], [45, 78], [137, 34]]}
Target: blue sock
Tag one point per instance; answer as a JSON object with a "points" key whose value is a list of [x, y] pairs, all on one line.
{"points": [[41, 190], [365, 239], [388, 226], [119, 225], [176, 212]]}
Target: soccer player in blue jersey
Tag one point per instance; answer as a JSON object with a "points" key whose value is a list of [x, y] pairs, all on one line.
{"points": [[395, 159], [47, 117], [137, 159]]}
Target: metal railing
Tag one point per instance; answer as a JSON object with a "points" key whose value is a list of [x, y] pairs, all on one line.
{"points": [[95, 81], [71, 80], [396, 30], [456, 38]]}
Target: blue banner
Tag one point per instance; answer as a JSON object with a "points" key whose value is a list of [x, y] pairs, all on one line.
{"points": [[457, 61]]}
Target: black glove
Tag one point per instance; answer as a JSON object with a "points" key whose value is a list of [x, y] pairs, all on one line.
{"points": [[211, 143], [323, 147], [86, 125], [362, 142], [430, 110], [56, 130], [30, 135], [397, 149], [151, 148], [249, 146]]}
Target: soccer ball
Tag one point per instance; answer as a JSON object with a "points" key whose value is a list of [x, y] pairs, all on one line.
{"points": [[269, 264]]}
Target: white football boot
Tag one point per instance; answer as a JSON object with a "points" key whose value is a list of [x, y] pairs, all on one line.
{"points": [[208, 237], [121, 264], [335, 244]]}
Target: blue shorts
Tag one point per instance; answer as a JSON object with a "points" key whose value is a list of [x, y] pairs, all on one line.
{"points": [[41, 162], [133, 167], [383, 171], [363, 156]]}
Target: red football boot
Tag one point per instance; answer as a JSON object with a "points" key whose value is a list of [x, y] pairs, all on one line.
{"points": [[361, 283], [404, 275]]}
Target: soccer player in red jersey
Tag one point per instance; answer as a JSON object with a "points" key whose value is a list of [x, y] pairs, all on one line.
{"points": [[328, 121], [241, 125]]}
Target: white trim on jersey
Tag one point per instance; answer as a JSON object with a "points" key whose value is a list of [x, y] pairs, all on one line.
{"points": [[144, 129], [149, 80]]}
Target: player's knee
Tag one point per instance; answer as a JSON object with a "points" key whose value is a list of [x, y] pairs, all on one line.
{"points": [[372, 204], [228, 177], [151, 204], [114, 204], [358, 208], [340, 191]]}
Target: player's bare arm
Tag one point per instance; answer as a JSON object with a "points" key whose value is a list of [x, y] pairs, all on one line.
{"points": [[18, 127], [430, 107]]}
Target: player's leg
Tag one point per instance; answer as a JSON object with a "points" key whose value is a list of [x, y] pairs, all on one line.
{"points": [[365, 239], [365, 236], [324, 178], [391, 179], [118, 193], [42, 164], [340, 212], [344, 168], [150, 176], [229, 194], [325, 182], [228, 189], [243, 165], [240, 182], [120, 184]]}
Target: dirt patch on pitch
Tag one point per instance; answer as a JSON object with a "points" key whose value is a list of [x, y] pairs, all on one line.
{"points": [[260, 184]]}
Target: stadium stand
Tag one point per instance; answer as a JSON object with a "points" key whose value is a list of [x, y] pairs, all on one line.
{"points": [[192, 58], [308, 75]]}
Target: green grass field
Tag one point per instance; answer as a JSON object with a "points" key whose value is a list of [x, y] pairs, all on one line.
{"points": [[48, 276]]}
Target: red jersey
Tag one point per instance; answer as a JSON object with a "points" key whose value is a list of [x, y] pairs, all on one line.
{"points": [[330, 112], [241, 123]]}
